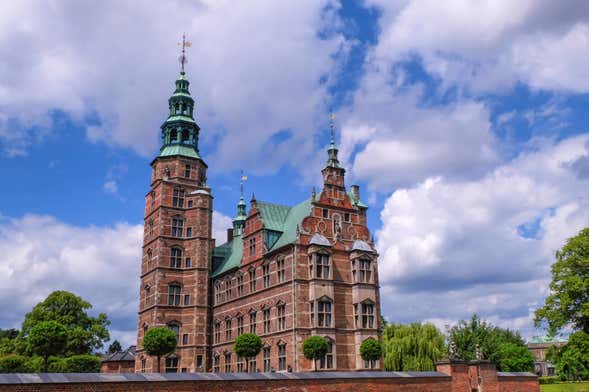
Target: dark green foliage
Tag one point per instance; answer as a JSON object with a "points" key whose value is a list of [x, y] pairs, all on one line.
{"points": [[8, 341], [84, 333], [14, 364], [467, 334], [314, 348], [114, 347], [247, 345], [572, 360], [84, 363], [568, 302], [514, 358], [159, 341], [412, 347], [370, 350], [47, 338]]}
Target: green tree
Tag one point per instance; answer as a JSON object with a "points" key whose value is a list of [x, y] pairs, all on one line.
{"points": [[568, 302], [14, 364], [412, 347], [466, 335], [47, 338], [8, 341], [371, 351], [514, 358], [84, 333], [314, 348], [114, 347], [247, 345], [159, 341], [572, 360], [84, 363]]}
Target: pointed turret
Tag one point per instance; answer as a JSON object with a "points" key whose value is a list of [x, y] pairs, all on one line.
{"points": [[333, 172], [239, 220]]}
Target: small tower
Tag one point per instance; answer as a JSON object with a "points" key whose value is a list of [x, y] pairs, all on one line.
{"points": [[177, 242], [239, 220], [333, 172]]}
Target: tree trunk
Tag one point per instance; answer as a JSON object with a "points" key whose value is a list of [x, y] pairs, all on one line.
{"points": [[158, 363], [247, 365], [45, 364], [314, 365]]}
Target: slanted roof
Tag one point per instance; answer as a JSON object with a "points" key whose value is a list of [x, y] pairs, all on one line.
{"points": [[362, 245], [230, 253], [281, 219], [121, 356], [318, 239]]}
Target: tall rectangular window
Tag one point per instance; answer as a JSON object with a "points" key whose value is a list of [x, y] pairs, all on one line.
{"points": [[240, 364], [172, 365], [176, 258], [282, 357], [281, 270], [177, 227], [217, 363], [186, 299], [189, 232], [185, 339], [252, 246], [252, 276], [322, 265], [218, 332], [188, 262], [266, 274], [324, 314], [367, 315], [253, 367], [174, 294], [281, 313], [187, 171], [327, 361], [266, 354], [228, 330], [266, 316], [227, 362], [239, 285], [239, 325], [178, 198], [253, 322]]}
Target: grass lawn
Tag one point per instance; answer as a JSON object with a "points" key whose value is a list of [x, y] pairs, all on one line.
{"points": [[568, 387]]}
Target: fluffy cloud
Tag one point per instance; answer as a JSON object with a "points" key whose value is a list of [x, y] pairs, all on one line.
{"points": [[490, 44], [41, 254], [258, 72], [451, 248]]}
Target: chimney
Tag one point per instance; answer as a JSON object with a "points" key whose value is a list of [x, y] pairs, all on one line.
{"points": [[356, 193], [229, 234]]}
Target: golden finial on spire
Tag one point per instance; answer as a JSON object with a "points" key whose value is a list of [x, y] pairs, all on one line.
{"points": [[185, 44]]}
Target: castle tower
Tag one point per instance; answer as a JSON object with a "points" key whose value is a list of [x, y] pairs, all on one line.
{"points": [[177, 241]]}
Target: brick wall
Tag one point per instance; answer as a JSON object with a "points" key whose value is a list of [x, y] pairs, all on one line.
{"points": [[455, 380]]}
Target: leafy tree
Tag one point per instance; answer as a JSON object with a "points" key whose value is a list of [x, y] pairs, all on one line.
{"points": [[568, 302], [468, 334], [314, 348], [370, 350], [84, 363], [47, 338], [114, 347], [8, 341], [159, 341], [514, 358], [572, 360], [14, 364], [247, 345], [84, 333], [412, 347]]}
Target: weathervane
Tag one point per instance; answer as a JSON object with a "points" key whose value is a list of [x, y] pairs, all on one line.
{"points": [[332, 126], [185, 44]]}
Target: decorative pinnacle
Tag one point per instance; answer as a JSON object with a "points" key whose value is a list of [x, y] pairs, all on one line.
{"points": [[332, 126], [182, 58]]}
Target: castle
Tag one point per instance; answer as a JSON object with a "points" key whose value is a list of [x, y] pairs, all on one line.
{"points": [[285, 273]]}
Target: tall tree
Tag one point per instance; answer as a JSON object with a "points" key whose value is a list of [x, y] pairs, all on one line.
{"points": [[84, 333], [466, 335], [247, 346], [159, 341], [47, 338], [114, 347], [568, 302], [572, 360], [413, 347], [315, 348]]}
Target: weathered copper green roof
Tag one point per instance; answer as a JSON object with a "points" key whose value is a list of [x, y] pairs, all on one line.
{"points": [[180, 117], [229, 255], [358, 204], [179, 149], [277, 218], [547, 339]]}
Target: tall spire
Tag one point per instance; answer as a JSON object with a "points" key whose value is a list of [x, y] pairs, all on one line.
{"points": [[239, 220], [180, 132], [332, 151]]}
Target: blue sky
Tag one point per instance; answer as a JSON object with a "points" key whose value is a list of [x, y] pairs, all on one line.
{"points": [[464, 123]]}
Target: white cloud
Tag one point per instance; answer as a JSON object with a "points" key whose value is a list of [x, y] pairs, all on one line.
{"points": [[256, 68], [451, 248], [110, 186], [220, 225]]}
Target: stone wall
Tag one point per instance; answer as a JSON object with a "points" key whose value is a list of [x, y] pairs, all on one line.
{"points": [[457, 380]]}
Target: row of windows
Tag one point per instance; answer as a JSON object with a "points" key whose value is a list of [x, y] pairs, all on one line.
{"points": [[266, 323], [224, 287], [325, 214]]}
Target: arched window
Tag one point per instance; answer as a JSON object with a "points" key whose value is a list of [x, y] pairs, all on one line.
{"points": [[216, 363], [145, 328], [281, 315], [147, 294], [177, 107], [149, 258], [174, 327], [217, 331], [266, 357], [174, 294], [176, 258], [173, 136], [228, 329]]}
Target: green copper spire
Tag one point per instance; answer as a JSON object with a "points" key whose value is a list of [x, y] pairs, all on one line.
{"points": [[180, 131], [239, 220], [332, 151]]}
